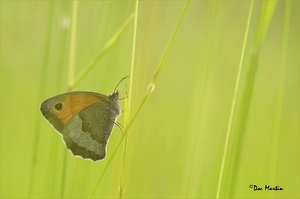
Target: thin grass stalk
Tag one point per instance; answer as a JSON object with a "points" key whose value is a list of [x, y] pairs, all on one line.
{"points": [[122, 185], [43, 76], [71, 67], [149, 90], [278, 113], [233, 105], [128, 101], [266, 13], [71, 74], [132, 57], [52, 160]]}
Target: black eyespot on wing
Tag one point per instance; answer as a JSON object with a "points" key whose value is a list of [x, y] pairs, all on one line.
{"points": [[58, 106]]}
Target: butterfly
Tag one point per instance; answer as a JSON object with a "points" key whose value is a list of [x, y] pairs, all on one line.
{"points": [[84, 119]]}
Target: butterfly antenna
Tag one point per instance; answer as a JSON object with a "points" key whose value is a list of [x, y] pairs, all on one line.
{"points": [[119, 83]]}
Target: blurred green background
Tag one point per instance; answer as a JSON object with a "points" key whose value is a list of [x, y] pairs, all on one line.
{"points": [[176, 145]]}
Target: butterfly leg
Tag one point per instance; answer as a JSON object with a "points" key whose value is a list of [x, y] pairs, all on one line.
{"points": [[121, 127]]}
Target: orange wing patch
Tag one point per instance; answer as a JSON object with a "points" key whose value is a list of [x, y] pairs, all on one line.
{"points": [[75, 103]]}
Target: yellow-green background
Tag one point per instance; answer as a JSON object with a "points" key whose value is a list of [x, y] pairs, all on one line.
{"points": [[175, 146]]}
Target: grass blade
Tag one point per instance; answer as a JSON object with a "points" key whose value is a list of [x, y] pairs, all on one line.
{"points": [[128, 101], [266, 13], [233, 106], [278, 113]]}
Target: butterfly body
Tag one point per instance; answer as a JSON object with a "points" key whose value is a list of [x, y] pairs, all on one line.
{"points": [[84, 119]]}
